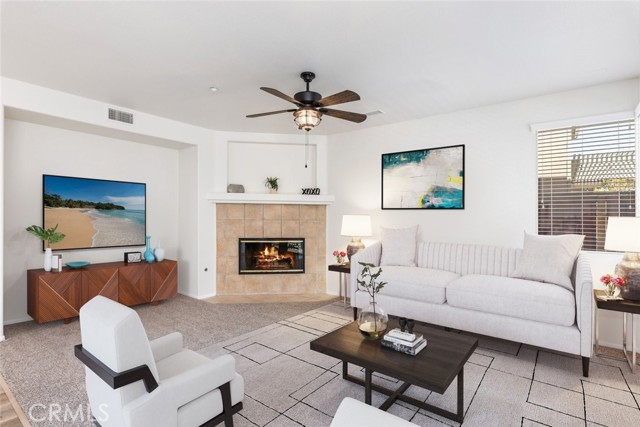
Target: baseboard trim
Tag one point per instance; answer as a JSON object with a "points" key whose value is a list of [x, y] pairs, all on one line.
{"points": [[19, 320], [211, 295], [198, 296]]}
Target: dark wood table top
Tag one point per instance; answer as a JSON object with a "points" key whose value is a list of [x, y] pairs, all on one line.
{"points": [[624, 305], [341, 268], [434, 368]]}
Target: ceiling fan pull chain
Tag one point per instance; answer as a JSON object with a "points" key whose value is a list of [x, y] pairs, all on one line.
{"points": [[306, 149]]}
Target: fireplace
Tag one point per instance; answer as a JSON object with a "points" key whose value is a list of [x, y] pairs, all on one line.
{"points": [[271, 255]]}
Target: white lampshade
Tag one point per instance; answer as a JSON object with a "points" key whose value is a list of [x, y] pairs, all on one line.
{"points": [[356, 225], [623, 234]]}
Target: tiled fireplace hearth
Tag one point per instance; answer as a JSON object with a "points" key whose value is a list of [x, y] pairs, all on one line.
{"points": [[236, 220]]}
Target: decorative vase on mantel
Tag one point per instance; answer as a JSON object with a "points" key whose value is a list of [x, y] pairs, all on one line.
{"points": [[148, 253]]}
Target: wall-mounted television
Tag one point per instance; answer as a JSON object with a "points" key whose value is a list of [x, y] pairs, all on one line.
{"points": [[94, 213]]}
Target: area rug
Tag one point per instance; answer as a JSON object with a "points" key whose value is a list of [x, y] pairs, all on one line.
{"points": [[287, 384], [505, 383], [38, 364]]}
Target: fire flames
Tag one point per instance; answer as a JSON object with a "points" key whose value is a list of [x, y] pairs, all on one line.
{"points": [[270, 256]]}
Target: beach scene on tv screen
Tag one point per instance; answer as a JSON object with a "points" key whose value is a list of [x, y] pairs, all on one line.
{"points": [[94, 213]]}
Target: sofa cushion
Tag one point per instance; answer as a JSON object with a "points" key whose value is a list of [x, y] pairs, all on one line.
{"points": [[524, 299], [399, 246], [549, 258], [419, 284]]}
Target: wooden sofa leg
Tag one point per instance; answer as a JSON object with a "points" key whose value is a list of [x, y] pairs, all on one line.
{"points": [[225, 390], [355, 313], [585, 366]]}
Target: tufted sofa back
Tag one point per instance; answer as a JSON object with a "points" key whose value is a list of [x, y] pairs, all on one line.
{"points": [[467, 259]]}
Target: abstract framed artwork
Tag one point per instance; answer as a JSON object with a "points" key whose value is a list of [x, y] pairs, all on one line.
{"points": [[432, 178]]}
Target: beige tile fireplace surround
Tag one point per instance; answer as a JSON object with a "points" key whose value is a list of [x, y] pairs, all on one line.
{"points": [[270, 220]]}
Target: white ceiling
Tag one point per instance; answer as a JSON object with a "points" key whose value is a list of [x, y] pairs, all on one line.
{"points": [[409, 59]]}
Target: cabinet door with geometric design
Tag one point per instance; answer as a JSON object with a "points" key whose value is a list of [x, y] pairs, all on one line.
{"points": [[58, 296], [163, 278], [100, 281], [133, 286]]}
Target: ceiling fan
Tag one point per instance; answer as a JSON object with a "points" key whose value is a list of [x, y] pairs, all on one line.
{"points": [[312, 106]]}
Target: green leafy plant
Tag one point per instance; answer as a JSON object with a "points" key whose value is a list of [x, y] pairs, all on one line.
{"points": [[368, 279], [49, 235], [271, 182]]}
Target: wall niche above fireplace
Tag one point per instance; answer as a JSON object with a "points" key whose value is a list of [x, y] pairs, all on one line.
{"points": [[271, 255]]}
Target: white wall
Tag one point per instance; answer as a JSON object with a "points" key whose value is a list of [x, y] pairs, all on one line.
{"points": [[500, 166], [249, 163], [29, 103], [188, 221], [1, 209], [32, 150]]}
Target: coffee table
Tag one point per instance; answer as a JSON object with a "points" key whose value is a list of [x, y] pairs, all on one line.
{"points": [[434, 368]]}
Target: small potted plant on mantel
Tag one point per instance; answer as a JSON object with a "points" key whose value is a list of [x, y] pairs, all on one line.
{"points": [[272, 184], [49, 236]]}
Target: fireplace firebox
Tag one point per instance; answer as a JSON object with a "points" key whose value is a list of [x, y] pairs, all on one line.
{"points": [[271, 255]]}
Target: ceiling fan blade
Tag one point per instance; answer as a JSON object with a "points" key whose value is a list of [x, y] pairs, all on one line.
{"points": [[338, 98], [344, 115], [280, 95], [250, 116]]}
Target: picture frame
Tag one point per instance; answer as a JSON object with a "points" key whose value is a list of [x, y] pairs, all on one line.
{"points": [[131, 257], [430, 178]]}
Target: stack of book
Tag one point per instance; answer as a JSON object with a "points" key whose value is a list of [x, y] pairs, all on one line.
{"points": [[404, 342]]}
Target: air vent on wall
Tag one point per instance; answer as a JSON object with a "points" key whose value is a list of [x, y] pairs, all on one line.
{"points": [[120, 116]]}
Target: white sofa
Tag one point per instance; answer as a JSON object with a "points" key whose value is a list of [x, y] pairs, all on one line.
{"points": [[471, 288]]}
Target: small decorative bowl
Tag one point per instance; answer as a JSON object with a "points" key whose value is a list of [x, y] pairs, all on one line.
{"points": [[77, 264]]}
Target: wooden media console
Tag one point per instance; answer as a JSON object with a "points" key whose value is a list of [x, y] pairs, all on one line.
{"points": [[59, 296]]}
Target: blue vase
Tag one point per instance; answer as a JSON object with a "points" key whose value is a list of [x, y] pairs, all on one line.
{"points": [[148, 253]]}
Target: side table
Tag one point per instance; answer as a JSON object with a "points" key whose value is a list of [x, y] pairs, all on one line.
{"points": [[626, 307], [343, 269]]}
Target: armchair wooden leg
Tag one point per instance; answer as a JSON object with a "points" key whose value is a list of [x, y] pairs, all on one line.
{"points": [[225, 390]]}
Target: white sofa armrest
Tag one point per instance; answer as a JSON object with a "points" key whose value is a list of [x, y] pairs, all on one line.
{"points": [[166, 346], [584, 303], [371, 254], [160, 407], [353, 413]]}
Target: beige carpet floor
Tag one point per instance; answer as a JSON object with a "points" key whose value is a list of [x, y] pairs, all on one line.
{"points": [[287, 384], [38, 364]]}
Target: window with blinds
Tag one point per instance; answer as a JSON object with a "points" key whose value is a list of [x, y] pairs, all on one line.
{"points": [[586, 174]]}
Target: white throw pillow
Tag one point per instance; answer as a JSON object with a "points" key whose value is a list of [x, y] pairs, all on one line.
{"points": [[549, 259], [399, 246]]}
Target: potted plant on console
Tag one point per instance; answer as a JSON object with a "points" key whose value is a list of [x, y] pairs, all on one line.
{"points": [[372, 320], [49, 236]]}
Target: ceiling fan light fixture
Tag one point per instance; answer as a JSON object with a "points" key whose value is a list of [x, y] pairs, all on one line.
{"points": [[307, 118]]}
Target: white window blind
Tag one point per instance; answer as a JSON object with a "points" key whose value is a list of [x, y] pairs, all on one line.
{"points": [[586, 174]]}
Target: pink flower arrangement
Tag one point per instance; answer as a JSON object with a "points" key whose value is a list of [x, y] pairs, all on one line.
{"points": [[611, 282], [339, 256]]}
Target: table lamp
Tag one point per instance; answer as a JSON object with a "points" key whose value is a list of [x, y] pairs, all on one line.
{"points": [[355, 226], [623, 234]]}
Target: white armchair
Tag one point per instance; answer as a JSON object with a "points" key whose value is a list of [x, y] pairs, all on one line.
{"points": [[353, 413], [132, 382]]}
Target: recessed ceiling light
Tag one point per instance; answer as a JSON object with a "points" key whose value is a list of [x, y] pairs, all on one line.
{"points": [[213, 89], [374, 112]]}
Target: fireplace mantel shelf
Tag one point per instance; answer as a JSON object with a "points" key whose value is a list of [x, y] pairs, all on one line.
{"points": [[265, 198]]}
